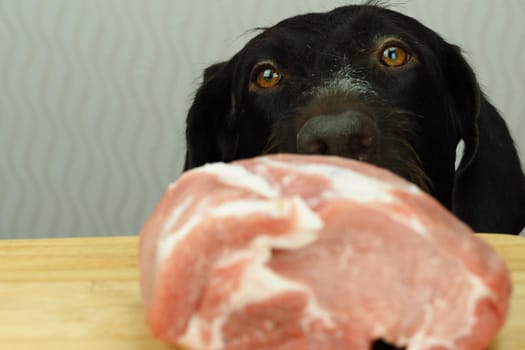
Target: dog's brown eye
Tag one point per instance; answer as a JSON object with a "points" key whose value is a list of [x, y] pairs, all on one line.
{"points": [[394, 56], [268, 77]]}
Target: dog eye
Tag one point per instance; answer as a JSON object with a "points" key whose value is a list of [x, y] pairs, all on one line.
{"points": [[267, 77], [394, 56]]}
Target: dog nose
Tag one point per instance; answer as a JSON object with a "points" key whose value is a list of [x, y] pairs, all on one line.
{"points": [[350, 134]]}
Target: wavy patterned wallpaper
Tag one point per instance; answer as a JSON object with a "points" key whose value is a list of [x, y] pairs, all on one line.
{"points": [[93, 95]]}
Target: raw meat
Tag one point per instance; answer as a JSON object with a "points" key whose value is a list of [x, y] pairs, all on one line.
{"points": [[291, 252]]}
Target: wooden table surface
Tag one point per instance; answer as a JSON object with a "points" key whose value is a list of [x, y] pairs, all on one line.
{"points": [[83, 293]]}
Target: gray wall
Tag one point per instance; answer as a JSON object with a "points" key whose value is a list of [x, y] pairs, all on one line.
{"points": [[93, 95]]}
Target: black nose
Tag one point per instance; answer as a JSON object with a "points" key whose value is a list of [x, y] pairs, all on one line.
{"points": [[350, 134]]}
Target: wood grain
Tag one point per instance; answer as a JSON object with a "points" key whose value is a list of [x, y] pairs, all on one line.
{"points": [[82, 293]]}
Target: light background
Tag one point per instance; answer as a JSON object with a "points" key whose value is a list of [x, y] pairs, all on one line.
{"points": [[93, 95]]}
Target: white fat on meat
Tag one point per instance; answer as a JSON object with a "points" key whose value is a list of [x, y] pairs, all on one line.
{"points": [[307, 222], [364, 189], [237, 176], [307, 226], [258, 282]]}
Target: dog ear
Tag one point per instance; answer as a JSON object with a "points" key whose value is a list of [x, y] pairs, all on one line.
{"points": [[207, 137], [489, 189]]}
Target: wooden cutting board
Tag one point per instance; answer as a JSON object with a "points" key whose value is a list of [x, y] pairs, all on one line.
{"points": [[82, 293]]}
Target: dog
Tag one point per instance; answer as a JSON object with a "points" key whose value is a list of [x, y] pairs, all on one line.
{"points": [[368, 83]]}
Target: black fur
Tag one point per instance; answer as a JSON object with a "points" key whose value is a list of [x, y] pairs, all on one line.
{"points": [[420, 110]]}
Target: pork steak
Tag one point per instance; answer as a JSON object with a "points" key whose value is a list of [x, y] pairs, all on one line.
{"points": [[295, 252]]}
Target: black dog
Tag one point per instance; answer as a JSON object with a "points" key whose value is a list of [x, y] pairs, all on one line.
{"points": [[367, 83]]}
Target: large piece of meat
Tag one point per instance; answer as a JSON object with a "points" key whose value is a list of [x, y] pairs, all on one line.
{"points": [[291, 252]]}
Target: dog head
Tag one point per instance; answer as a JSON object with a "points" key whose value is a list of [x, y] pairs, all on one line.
{"points": [[361, 82]]}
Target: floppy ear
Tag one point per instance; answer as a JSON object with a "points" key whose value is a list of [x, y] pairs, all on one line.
{"points": [[208, 137], [489, 190]]}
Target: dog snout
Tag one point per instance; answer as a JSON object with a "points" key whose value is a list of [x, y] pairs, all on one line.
{"points": [[350, 134]]}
